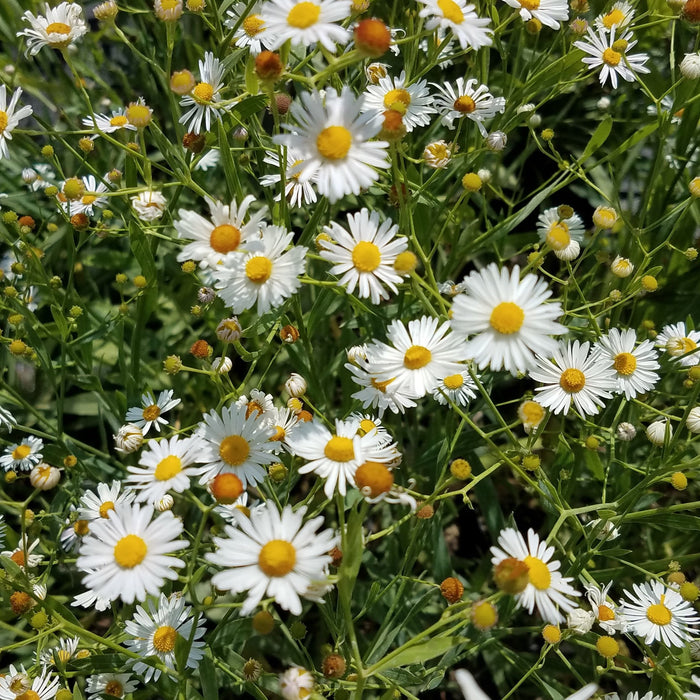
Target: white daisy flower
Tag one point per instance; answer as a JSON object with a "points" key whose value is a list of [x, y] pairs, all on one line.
{"points": [[165, 466], [364, 257], [91, 200], [332, 137], [656, 612], [204, 98], [108, 125], [634, 366], [63, 653], [549, 12], [466, 100], [297, 193], [258, 403], [619, 15], [336, 456], [116, 685], [59, 28], [508, 317], [413, 102], [369, 423], [39, 176], [150, 413], [574, 374], [226, 510], [378, 394], [470, 30], [438, 154], [94, 506], [23, 456], [235, 444], [224, 233], [23, 555], [149, 205], [274, 554], [126, 555], [562, 230], [306, 22], [73, 532], [284, 422], [251, 32], [16, 685], [546, 589], [610, 53], [155, 630], [418, 357], [678, 343], [458, 388], [265, 275], [606, 612], [9, 119], [296, 683]]}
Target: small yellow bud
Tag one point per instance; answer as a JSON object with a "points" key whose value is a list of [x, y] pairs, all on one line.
{"points": [[649, 283], [472, 182], [547, 134], [607, 647], [140, 281], [689, 591], [460, 469], [189, 266], [551, 634], [47, 151], [531, 462], [679, 481]]}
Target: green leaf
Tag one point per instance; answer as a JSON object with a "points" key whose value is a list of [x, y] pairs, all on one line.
{"points": [[207, 679], [420, 653], [251, 105], [599, 137]]}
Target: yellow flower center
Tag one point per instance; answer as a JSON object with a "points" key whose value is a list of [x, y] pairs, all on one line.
{"points": [[530, 4], [253, 24], [21, 451], [572, 380], [167, 468], [18, 558], [130, 551], [280, 434], [254, 407], [114, 688], [62, 655], [558, 236], [203, 92], [507, 318], [659, 614], [339, 449], [381, 386], [538, 573], [277, 558], [375, 477], [58, 28], [81, 528], [4, 120], [366, 426], [303, 15], [612, 58], [464, 104], [225, 238], [454, 381], [28, 695], [334, 142], [164, 638], [416, 357], [625, 363], [168, 4], [605, 613], [105, 508], [138, 115], [366, 256], [614, 17], [88, 199], [150, 413], [403, 97], [234, 450], [119, 120], [450, 10], [258, 269]]}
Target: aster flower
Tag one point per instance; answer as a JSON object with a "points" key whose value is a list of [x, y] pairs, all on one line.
{"points": [[24, 455], [468, 28], [467, 100], [562, 230], [17, 685], [59, 28], [297, 193], [116, 685], [38, 177], [438, 154], [619, 15], [106, 124], [91, 200], [376, 393], [23, 554], [63, 653], [296, 683], [679, 343], [272, 553], [332, 137], [251, 31], [9, 118], [458, 388], [549, 12], [607, 614], [413, 102], [100, 504], [150, 413]]}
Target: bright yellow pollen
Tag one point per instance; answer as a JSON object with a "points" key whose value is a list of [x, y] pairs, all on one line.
{"points": [[58, 28], [225, 238], [381, 386], [81, 528], [29, 695], [507, 318], [339, 449], [366, 256], [367, 426], [203, 92], [62, 655], [234, 450], [130, 551], [88, 199], [625, 363], [558, 236], [280, 434], [530, 4], [167, 468], [612, 58], [150, 413], [253, 24], [416, 357], [168, 4], [119, 120], [277, 558], [4, 120], [572, 380], [614, 17], [450, 11], [114, 688], [105, 508], [258, 269], [464, 104], [303, 15], [605, 613], [659, 614], [164, 638], [21, 451], [334, 142], [538, 573], [374, 477], [454, 381], [397, 95]]}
